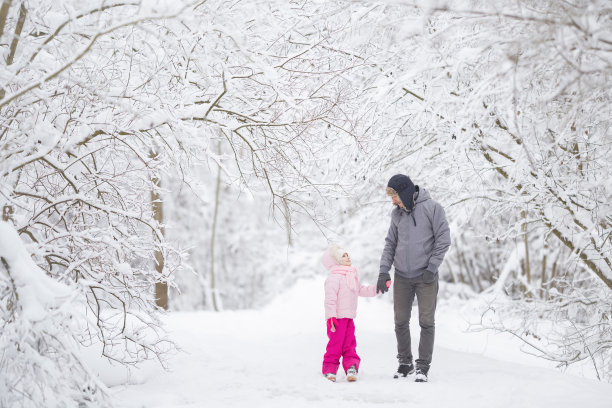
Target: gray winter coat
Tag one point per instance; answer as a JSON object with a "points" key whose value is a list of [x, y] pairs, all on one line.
{"points": [[416, 241]]}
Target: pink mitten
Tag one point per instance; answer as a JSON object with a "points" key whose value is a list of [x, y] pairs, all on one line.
{"points": [[332, 323], [388, 283]]}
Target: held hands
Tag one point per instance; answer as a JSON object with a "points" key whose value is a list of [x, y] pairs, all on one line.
{"points": [[384, 281], [332, 323]]}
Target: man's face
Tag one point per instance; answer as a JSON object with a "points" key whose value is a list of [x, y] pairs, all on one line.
{"points": [[397, 201]]}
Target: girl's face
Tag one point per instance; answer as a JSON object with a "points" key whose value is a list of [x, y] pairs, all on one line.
{"points": [[346, 260]]}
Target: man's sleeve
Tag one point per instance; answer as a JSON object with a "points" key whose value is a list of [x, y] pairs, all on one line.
{"points": [[442, 238], [386, 260]]}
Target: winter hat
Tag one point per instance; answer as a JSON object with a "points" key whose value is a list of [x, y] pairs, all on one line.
{"points": [[336, 252], [405, 189]]}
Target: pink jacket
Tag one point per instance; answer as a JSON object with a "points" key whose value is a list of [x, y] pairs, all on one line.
{"points": [[342, 289]]}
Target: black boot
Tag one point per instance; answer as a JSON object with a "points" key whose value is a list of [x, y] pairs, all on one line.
{"points": [[404, 370]]}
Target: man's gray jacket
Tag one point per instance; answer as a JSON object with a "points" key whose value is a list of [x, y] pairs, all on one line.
{"points": [[416, 241]]}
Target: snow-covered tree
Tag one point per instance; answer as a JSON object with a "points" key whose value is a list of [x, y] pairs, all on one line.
{"points": [[77, 172], [101, 104], [503, 110]]}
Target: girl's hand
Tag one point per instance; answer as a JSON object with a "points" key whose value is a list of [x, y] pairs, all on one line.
{"points": [[332, 323]]}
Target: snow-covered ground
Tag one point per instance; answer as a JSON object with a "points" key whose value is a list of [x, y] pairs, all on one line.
{"points": [[272, 358]]}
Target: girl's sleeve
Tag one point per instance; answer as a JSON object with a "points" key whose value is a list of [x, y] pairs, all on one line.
{"points": [[332, 286], [367, 290]]}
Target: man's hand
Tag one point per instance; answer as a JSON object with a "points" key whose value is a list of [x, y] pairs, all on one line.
{"points": [[384, 281]]}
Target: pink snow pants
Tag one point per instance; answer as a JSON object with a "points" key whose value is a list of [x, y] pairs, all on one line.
{"points": [[342, 343]]}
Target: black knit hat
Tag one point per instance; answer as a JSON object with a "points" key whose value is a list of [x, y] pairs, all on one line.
{"points": [[406, 190]]}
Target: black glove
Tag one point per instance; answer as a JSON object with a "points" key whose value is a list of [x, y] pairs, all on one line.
{"points": [[429, 277], [381, 285]]}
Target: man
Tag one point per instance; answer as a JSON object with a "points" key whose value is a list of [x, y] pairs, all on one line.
{"points": [[415, 245]]}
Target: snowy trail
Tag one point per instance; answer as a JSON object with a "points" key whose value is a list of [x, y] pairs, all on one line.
{"points": [[272, 358]]}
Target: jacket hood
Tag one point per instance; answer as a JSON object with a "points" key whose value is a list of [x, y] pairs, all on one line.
{"points": [[405, 189], [328, 260], [423, 196]]}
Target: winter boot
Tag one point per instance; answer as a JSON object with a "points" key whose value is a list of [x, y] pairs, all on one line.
{"points": [[421, 374], [351, 374], [330, 376], [404, 370]]}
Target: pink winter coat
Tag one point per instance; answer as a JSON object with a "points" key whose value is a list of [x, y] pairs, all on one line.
{"points": [[342, 289]]}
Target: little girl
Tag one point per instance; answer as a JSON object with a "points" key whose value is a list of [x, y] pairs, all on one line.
{"points": [[342, 289]]}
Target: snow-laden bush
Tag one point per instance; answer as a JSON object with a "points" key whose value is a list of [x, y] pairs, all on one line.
{"points": [[40, 361], [572, 327]]}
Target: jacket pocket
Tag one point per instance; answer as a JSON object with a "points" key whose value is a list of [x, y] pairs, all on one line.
{"points": [[401, 258]]}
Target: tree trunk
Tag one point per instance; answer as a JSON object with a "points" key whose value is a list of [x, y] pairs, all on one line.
{"points": [[452, 274], [544, 285], [18, 28], [460, 264], [7, 213], [161, 288], [526, 242], [553, 275], [213, 286], [288, 223], [6, 4]]}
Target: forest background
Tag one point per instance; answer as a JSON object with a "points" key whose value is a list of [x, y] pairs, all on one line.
{"points": [[201, 155]]}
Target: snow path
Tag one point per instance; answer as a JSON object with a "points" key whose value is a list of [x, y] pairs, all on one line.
{"points": [[272, 358]]}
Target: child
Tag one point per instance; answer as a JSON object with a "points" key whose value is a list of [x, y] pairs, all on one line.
{"points": [[341, 291]]}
